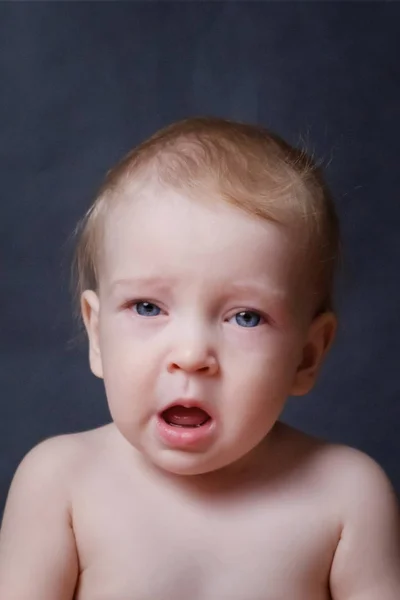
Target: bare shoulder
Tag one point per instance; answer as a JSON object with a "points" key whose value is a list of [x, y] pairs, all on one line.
{"points": [[367, 558], [350, 461], [61, 449], [355, 475], [54, 462], [37, 541], [363, 494], [346, 472], [52, 452]]}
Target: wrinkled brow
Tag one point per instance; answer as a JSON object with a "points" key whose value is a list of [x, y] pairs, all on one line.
{"points": [[163, 283], [159, 283]]}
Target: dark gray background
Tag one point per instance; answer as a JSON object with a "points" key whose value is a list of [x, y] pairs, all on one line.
{"points": [[82, 83]]}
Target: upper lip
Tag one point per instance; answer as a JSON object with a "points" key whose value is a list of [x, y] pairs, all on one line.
{"points": [[189, 403]]}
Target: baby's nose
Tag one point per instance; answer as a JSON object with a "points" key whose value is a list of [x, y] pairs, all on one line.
{"points": [[193, 359]]}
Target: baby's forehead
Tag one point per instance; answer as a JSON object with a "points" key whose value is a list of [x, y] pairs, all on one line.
{"points": [[190, 238], [164, 214], [136, 193], [154, 207]]}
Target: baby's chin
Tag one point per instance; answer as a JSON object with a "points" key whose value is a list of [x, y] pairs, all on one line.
{"points": [[188, 464], [217, 458], [172, 461]]}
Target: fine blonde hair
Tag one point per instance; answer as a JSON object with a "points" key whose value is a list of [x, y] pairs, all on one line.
{"points": [[247, 165]]}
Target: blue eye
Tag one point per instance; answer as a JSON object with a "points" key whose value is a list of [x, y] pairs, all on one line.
{"points": [[247, 318], [147, 309]]}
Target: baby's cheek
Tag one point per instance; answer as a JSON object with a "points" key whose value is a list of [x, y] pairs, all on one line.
{"points": [[245, 340], [263, 375]]}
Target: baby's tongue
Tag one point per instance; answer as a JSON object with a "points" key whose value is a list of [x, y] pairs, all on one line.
{"points": [[185, 417]]}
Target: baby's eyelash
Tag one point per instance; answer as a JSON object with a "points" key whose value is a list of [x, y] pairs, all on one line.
{"points": [[132, 301], [143, 307], [147, 309], [241, 318]]}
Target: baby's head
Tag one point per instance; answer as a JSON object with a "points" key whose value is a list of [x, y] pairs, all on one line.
{"points": [[205, 270]]}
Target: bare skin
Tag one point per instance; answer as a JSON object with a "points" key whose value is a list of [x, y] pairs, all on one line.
{"points": [[199, 306], [104, 524]]}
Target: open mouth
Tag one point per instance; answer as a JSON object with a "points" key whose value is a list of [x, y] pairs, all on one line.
{"points": [[187, 417]]}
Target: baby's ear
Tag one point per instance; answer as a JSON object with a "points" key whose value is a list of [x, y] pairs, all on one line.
{"points": [[90, 306], [320, 337]]}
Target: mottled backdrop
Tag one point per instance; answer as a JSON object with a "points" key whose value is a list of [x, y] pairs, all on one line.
{"points": [[80, 83]]}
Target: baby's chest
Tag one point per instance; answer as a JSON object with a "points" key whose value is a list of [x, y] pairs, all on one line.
{"points": [[173, 555]]}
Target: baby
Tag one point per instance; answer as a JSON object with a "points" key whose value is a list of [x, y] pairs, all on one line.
{"points": [[205, 269]]}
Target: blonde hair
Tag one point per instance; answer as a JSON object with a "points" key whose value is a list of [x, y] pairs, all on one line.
{"points": [[247, 165]]}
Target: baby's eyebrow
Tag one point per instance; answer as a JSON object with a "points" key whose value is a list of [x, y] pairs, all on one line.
{"points": [[231, 286], [125, 283], [259, 288]]}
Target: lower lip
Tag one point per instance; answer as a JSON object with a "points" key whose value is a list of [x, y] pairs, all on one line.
{"points": [[185, 437]]}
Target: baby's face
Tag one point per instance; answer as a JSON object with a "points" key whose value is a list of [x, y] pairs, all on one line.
{"points": [[200, 334]]}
